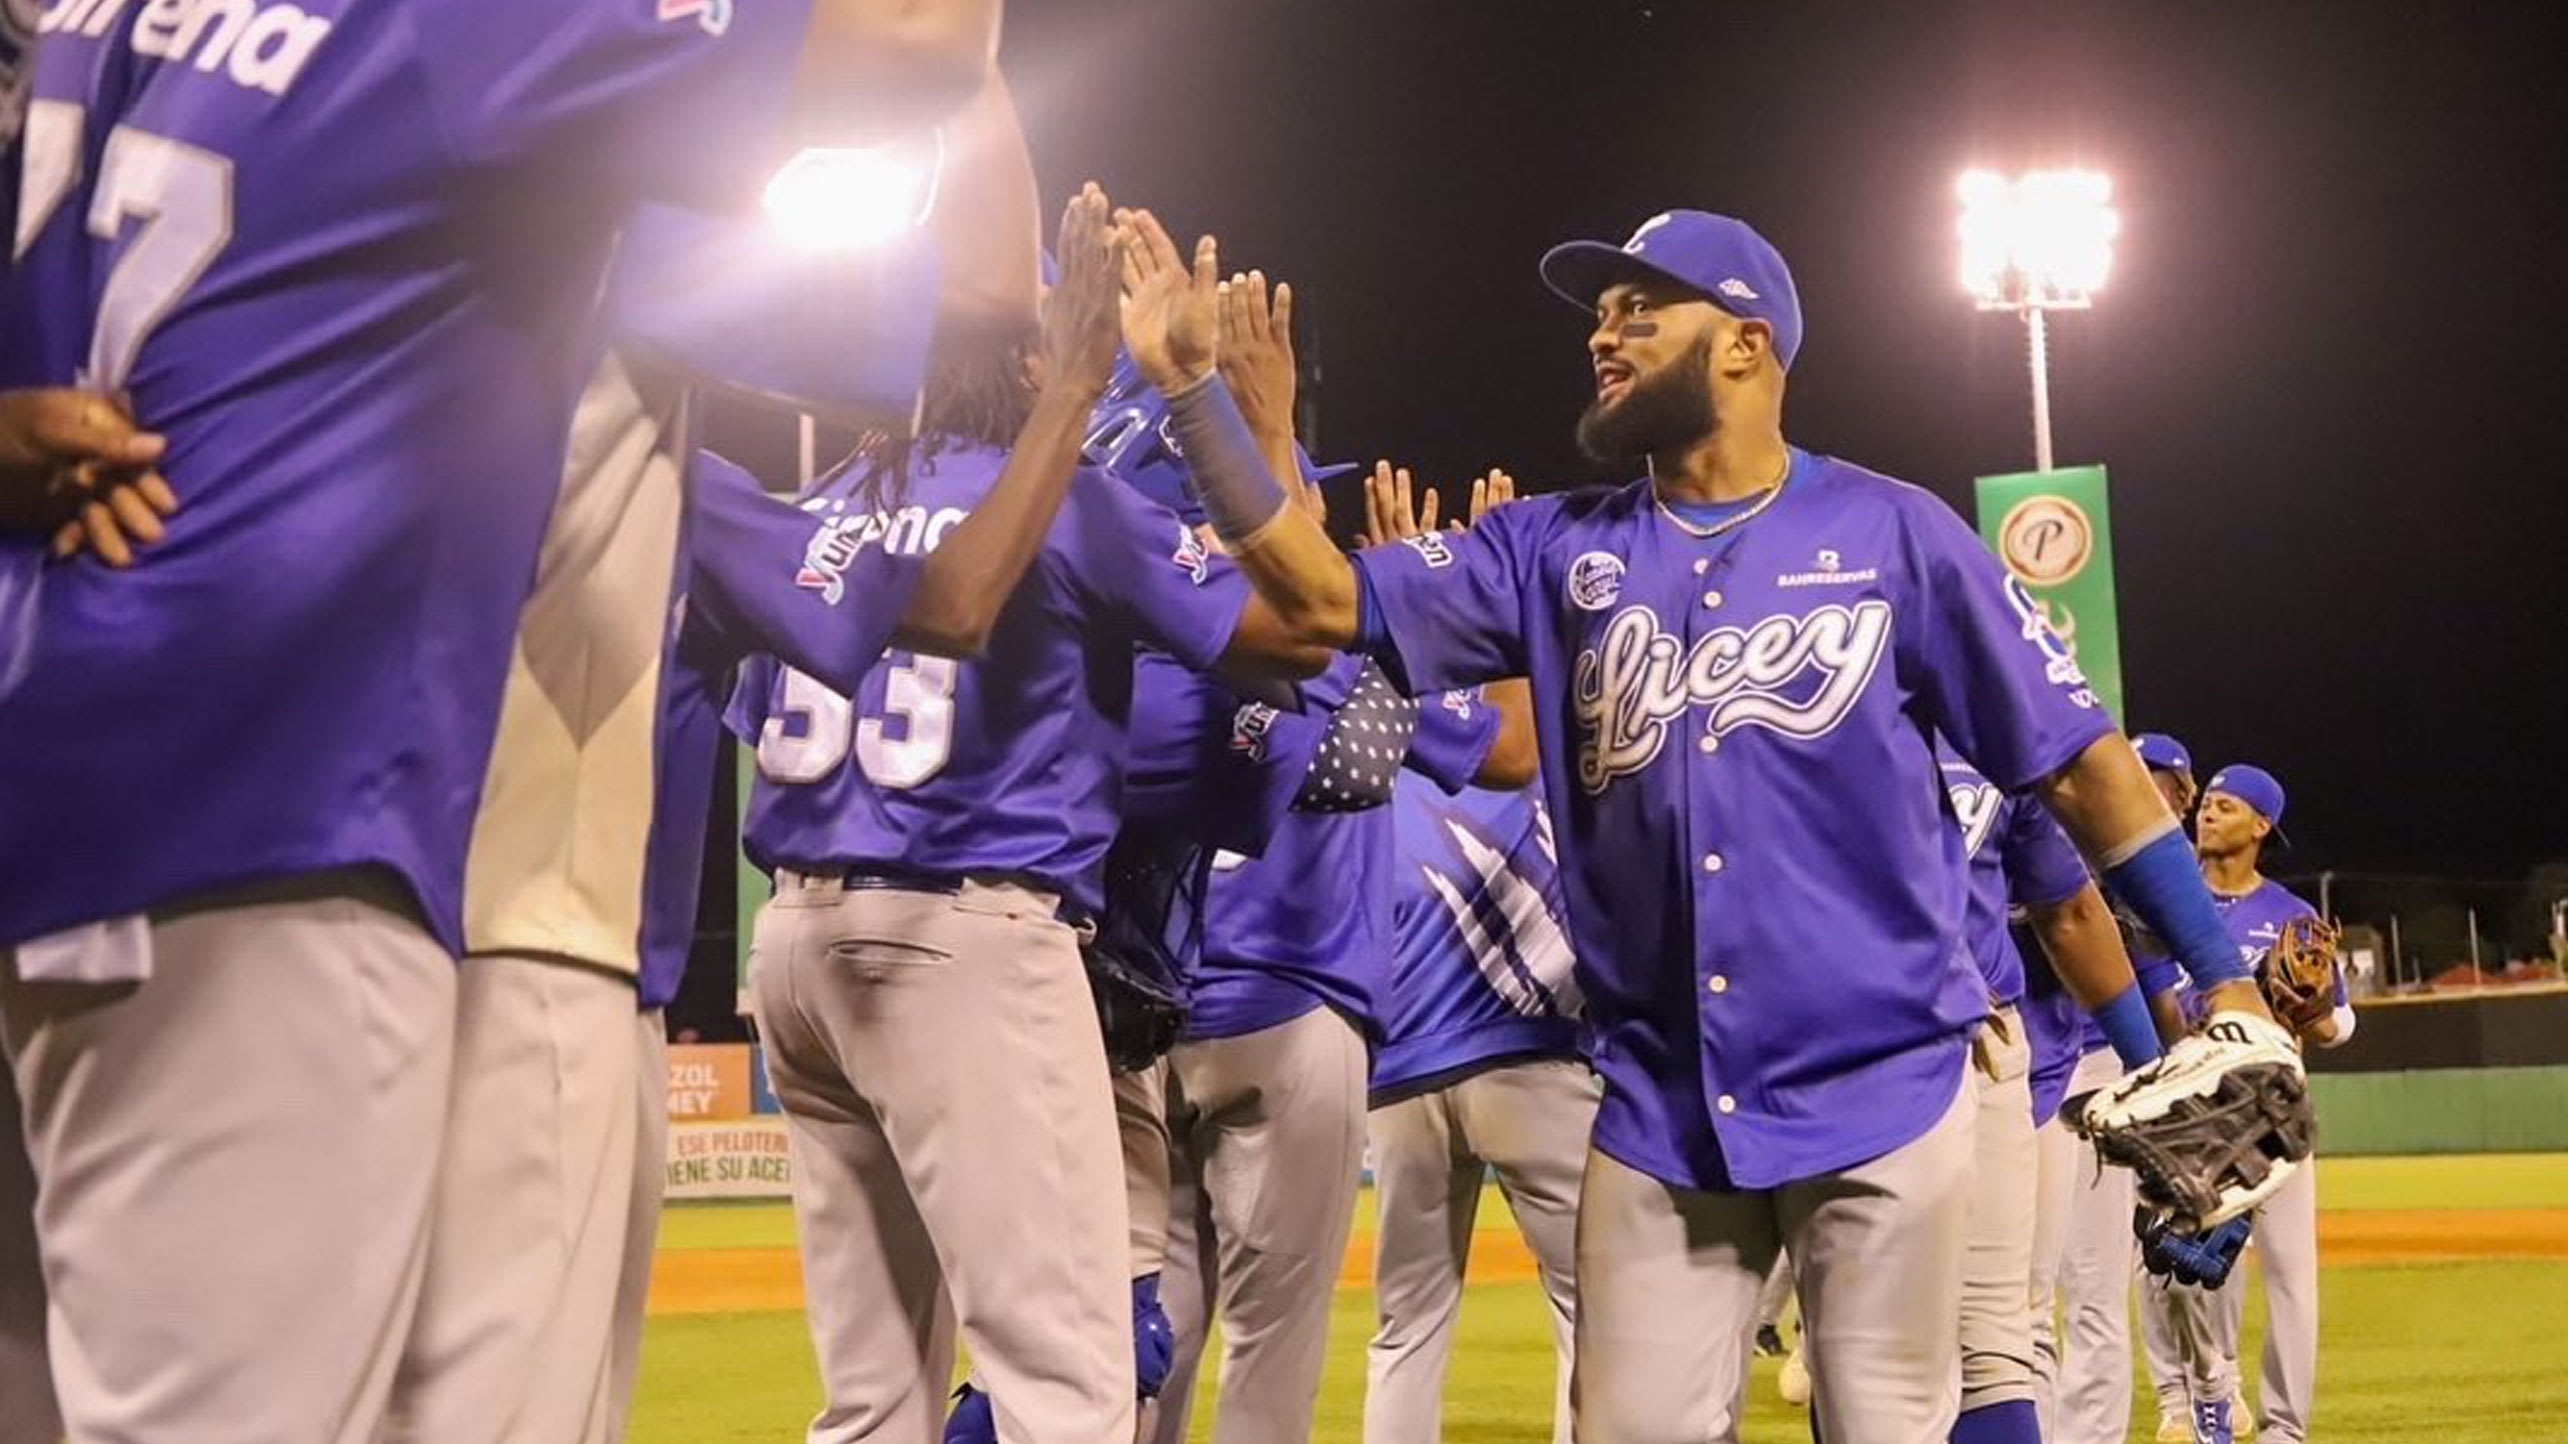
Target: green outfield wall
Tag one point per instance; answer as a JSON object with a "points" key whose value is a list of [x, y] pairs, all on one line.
{"points": [[2471, 1073]]}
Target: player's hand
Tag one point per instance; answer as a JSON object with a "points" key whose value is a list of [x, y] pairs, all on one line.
{"points": [[74, 464], [1256, 346], [1389, 515], [1080, 316], [1490, 492], [1170, 310]]}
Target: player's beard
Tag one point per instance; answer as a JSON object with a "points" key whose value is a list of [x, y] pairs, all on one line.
{"points": [[1669, 409]]}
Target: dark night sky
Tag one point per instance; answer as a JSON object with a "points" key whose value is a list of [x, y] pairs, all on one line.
{"points": [[2324, 375]]}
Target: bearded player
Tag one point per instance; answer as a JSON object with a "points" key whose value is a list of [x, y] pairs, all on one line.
{"points": [[2241, 816], [1781, 995]]}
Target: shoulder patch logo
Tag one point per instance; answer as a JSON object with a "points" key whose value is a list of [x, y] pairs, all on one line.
{"points": [[1595, 581], [1249, 727], [827, 556], [1190, 556]]}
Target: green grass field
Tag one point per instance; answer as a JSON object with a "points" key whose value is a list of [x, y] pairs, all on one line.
{"points": [[2444, 1353]]}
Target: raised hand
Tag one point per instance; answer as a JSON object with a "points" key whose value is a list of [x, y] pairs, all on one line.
{"points": [[1081, 317], [1388, 514], [1171, 311], [1489, 493], [1256, 346]]}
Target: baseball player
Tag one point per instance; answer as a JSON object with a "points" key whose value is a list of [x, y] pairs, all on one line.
{"points": [[1210, 770], [514, 1337], [1284, 976], [1737, 664], [2242, 812], [363, 717], [2086, 1363], [1479, 1066], [941, 1187], [2020, 860], [1479, 1071], [1285, 993]]}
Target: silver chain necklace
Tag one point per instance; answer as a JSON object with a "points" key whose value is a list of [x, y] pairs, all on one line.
{"points": [[1773, 494]]}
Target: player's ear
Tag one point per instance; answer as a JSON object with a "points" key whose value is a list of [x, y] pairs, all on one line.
{"points": [[1746, 343]]}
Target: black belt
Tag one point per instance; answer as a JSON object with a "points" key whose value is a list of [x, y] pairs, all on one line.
{"points": [[940, 884]]}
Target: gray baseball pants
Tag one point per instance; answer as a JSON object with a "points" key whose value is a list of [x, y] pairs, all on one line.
{"points": [[955, 1158], [2203, 1328], [1267, 1141], [238, 1158], [1997, 1271], [1668, 1280], [1526, 1122], [2097, 1259], [516, 1319], [2055, 1195], [642, 1217], [28, 1414]]}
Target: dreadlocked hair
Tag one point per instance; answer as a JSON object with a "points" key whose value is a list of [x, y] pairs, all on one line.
{"points": [[978, 393]]}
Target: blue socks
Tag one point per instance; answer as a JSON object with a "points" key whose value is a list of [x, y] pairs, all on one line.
{"points": [[2013, 1422]]}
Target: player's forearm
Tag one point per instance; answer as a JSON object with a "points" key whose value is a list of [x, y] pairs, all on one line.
{"points": [[872, 69], [1515, 757], [2105, 800], [988, 223], [970, 576], [1304, 579], [2085, 948]]}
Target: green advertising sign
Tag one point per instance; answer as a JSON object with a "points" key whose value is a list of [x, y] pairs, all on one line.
{"points": [[2055, 533]]}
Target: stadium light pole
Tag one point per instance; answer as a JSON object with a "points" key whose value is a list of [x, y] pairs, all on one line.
{"points": [[2033, 244]]}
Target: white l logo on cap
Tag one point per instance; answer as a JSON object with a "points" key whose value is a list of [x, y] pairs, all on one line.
{"points": [[1738, 290], [1652, 224]]}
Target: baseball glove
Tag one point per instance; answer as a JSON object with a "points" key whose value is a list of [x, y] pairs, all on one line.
{"points": [[1141, 1008], [2299, 972], [2213, 1128]]}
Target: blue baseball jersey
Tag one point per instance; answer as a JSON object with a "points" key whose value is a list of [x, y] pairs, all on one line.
{"points": [[1007, 766], [1308, 923], [1481, 967], [346, 256], [745, 552], [1209, 765], [2255, 919], [1767, 892], [2020, 858]]}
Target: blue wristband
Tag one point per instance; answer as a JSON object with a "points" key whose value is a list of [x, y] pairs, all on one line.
{"points": [[2164, 886], [2126, 1024], [1240, 495]]}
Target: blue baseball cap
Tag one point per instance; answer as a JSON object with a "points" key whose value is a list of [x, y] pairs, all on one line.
{"points": [[1724, 258], [2257, 788], [2162, 753]]}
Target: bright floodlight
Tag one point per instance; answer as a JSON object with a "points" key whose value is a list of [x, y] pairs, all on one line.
{"points": [[851, 199], [2042, 241]]}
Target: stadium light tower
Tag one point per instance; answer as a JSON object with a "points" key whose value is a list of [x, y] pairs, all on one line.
{"points": [[2033, 244]]}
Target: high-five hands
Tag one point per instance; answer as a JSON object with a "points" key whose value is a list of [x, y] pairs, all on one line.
{"points": [[1081, 315], [1256, 351], [1171, 310]]}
